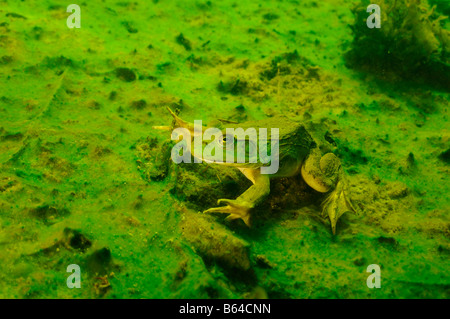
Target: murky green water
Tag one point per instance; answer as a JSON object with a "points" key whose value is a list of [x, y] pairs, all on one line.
{"points": [[85, 180]]}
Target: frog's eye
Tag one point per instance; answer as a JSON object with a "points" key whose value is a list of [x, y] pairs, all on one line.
{"points": [[227, 140]]}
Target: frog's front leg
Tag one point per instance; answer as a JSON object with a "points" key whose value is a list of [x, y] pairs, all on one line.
{"points": [[241, 207], [325, 174]]}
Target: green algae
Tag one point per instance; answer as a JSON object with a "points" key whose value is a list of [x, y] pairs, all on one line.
{"points": [[413, 43], [79, 162]]}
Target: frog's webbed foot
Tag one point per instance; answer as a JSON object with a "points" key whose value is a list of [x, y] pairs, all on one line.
{"points": [[325, 174], [236, 209], [241, 207], [337, 203]]}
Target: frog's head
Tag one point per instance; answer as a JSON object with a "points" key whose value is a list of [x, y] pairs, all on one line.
{"points": [[226, 143]]}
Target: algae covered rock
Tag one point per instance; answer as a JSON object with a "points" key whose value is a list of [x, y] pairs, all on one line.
{"points": [[49, 214], [199, 184], [153, 160], [411, 43], [100, 261], [214, 242]]}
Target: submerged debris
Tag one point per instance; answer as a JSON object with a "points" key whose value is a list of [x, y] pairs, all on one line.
{"points": [[216, 243]]}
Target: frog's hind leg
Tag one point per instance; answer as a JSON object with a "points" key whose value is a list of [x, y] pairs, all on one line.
{"points": [[241, 206], [321, 172], [325, 174]]}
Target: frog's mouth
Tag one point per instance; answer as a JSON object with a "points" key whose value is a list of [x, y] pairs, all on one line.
{"points": [[231, 151]]}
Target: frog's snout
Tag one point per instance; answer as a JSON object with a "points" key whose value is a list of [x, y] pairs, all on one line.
{"points": [[178, 122]]}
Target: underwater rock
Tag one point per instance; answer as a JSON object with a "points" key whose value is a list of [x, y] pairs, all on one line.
{"points": [[198, 184], [202, 184], [270, 16], [7, 183], [214, 242], [281, 65], [181, 40], [69, 240], [112, 95], [7, 136], [360, 262], [48, 251], [100, 151], [436, 224], [233, 87], [15, 15], [408, 165], [48, 214], [444, 249], [125, 74], [389, 243], [139, 105], [94, 105], [180, 274], [256, 293], [57, 62], [397, 190], [445, 156], [129, 26], [76, 240], [263, 262], [99, 262], [153, 160], [6, 59]]}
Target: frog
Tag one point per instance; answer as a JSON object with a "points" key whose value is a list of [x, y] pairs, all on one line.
{"points": [[298, 154]]}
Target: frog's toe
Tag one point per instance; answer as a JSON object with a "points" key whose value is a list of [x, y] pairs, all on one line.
{"points": [[235, 208], [223, 209]]}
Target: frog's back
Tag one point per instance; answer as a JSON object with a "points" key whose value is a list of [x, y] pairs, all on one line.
{"points": [[295, 142]]}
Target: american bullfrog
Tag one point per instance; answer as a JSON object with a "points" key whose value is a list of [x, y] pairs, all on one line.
{"points": [[298, 154]]}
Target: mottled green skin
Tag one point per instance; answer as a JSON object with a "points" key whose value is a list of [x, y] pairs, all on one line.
{"points": [[295, 143]]}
